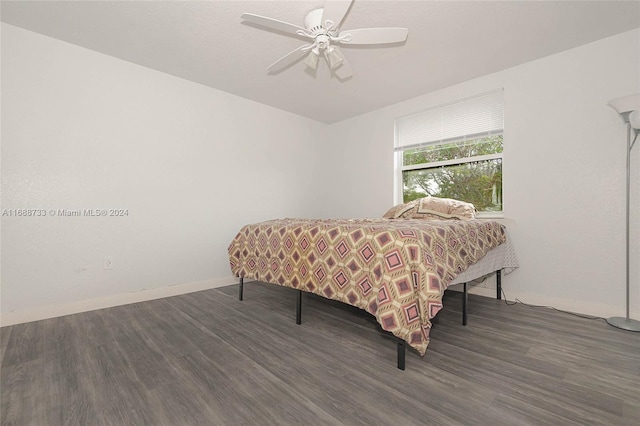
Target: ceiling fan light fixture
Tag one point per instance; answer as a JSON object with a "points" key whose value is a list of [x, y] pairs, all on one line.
{"points": [[334, 57], [312, 59]]}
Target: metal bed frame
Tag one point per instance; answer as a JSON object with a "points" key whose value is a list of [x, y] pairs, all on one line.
{"points": [[400, 343]]}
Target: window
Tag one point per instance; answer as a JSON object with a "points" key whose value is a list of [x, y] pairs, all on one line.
{"points": [[453, 151]]}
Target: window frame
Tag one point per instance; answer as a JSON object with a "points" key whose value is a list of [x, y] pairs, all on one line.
{"points": [[400, 168]]}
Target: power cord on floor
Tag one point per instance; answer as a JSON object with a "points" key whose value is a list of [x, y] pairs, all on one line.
{"points": [[518, 301]]}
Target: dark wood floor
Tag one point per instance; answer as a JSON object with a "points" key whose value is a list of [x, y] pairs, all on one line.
{"points": [[208, 359]]}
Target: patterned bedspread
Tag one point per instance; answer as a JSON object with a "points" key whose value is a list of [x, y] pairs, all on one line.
{"points": [[395, 269]]}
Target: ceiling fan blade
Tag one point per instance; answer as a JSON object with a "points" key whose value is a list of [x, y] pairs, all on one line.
{"points": [[343, 72], [272, 23], [375, 35], [289, 59], [335, 11]]}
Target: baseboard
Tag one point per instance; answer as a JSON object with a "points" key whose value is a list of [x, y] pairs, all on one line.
{"points": [[569, 305], [45, 312]]}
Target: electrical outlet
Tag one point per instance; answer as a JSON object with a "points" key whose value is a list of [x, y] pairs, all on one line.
{"points": [[108, 262]]}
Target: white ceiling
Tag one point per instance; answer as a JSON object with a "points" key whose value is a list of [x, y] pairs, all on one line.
{"points": [[206, 42]]}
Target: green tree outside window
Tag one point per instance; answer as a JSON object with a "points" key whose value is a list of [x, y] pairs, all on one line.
{"points": [[462, 176]]}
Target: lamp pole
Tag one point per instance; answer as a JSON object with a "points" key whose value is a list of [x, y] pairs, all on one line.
{"points": [[627, 323]]}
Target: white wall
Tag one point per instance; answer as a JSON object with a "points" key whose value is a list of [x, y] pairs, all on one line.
{"points": [[564, 172], [82, 130], [192, 165]]}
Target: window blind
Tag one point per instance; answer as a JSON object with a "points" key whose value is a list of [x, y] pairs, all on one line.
{"points": [[471, 118]]}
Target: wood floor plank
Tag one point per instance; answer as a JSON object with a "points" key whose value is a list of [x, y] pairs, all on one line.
{"points": [[553, 396], [24, 343], [501, 350], [67, 398], [631, 413], [208, 358], [111, 382], [22, 391], [236, 381], [150, 366], [522, 412], [608, 380], [5, 333]]}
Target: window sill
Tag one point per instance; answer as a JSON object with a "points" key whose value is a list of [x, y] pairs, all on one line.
{"points": [[490, 215]]}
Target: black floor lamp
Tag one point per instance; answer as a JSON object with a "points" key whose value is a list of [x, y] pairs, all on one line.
{"points": [[629, 109]]}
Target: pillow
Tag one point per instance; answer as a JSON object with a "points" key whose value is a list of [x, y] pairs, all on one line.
{"points": [[446, 206], [398, 211], [432, 208]]}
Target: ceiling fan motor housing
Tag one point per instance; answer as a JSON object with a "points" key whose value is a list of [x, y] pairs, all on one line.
{"points": [[313, 21]]}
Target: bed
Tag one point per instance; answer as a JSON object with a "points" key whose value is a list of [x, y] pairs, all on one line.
{"points": [[396, 268]]}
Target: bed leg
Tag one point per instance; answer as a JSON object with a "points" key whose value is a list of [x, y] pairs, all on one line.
{"points": [[401, 354], [240, 288], [499, 284], [464, 305], [299, 307]]}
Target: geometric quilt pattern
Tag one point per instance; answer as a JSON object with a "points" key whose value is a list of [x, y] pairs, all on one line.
{"points": [[395, 269]]}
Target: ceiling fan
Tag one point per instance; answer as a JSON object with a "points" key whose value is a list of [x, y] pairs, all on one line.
{"points": [[323, 27]]}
